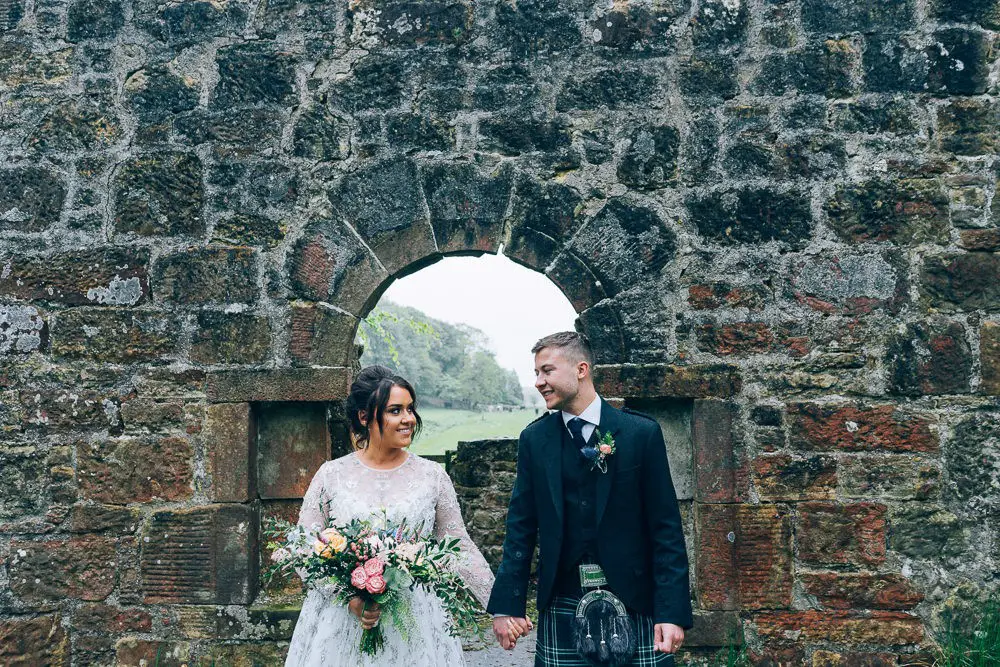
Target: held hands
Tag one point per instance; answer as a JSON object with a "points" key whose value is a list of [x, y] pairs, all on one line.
{"points": [[667, 637], [508, 628], [369, 617]]}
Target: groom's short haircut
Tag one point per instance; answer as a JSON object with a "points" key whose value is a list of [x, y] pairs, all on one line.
{"points": [[574, 345]]}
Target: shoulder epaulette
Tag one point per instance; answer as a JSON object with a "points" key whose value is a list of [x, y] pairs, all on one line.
{"points": [[640, 414]]}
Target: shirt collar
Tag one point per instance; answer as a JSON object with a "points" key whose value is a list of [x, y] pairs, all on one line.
{"points": [[591, 414]]}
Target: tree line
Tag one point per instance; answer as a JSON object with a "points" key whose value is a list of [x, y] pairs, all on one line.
{"points": [[450, 365]]}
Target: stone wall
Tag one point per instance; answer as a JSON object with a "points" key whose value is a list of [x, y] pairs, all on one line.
{"points": [[781, 212]]}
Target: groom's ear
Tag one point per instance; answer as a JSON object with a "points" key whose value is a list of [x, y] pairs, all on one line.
{"points": [[362, 417], [582, 369]]}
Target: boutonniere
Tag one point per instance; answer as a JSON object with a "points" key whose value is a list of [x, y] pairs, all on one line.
{"points": [[605, 448]]}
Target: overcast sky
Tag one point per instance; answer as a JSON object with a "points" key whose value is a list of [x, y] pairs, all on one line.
{"points": [[513, 305]]}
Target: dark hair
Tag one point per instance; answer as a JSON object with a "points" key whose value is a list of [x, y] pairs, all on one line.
{"points": [[576, 344], [370, 395]]}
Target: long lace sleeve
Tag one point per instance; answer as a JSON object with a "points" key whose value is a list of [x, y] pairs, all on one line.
{"points": [[472, 567], [312, 518]]}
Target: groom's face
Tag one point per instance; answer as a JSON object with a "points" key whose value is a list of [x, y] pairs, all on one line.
{"points": [[556, 377]]}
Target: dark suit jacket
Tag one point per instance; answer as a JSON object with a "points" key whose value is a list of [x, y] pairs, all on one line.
{"points": [[640, 541]]}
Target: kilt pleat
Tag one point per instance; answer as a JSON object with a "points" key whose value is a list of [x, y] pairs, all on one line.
{"points": [[554, 646]]}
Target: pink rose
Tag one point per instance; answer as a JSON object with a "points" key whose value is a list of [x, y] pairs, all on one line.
{"points": [[359, 578], [375, 584], [374, 566], [605, 449]]}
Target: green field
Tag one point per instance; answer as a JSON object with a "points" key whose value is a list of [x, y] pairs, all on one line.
{"points": [[444, 428]]}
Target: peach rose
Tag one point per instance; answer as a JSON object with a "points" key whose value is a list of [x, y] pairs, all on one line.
{"points": [[322, 549], [605, 449], [332, 537], [359, 578], [375, 584]]}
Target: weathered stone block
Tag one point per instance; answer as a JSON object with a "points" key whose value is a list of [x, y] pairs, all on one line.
{"points": [[231, 446], [981, 239], [31, 198], [959, 62], [289, 384], [831, 534], [248, 654], [905, 211], [844, 16], [23, 330], [513, 134], [104, 519], [129, 470], [467, 206], [752, 216], [321, 135], [969, 127], [90, 19], [898, 477], [989, 351], [200, 275], [931, 357], [984, 12], [717, 470], [508, 85], [665, 381], [895, 63], [22, 480], [416, 132], [972, 466], [409, 23], [108, 276], [384, 203], [710, 76], [576, 281], [11, 15], [843, 627], [107, 619], [156, 92], [160, 194], [650, 161], [330, 264], [247, 229], [625, 244], [875, 116], [744, 556], [718, 24], [377, 83], [255, 73], [203, 555], [852, 427], [134, 652], [41, 640], [58, 409], [21, 66], [845, 590], [536, 27], [293, 442], [782, 477], [321, 335], [231, 338], [967, 281], [76, 126], [81, 568], [236, 132], [114, 335], [850, 284], [924, 530], [195, 21], [828, 68], [736, 338], [712, 296], [617, 88], [700, 151], [549, 209]]}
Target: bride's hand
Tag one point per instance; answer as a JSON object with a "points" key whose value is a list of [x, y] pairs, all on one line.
{"points": [[369, 617]]}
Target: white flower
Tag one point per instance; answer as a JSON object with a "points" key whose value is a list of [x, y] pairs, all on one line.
{"points": [[281, 555], [408, 551]]}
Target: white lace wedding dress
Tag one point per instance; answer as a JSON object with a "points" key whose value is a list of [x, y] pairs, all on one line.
{"points": [[418, 491]]}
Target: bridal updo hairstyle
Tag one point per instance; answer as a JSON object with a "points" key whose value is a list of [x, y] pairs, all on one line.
{"points": [[370, 395]]}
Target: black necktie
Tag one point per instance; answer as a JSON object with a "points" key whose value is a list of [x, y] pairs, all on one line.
{"points": [[589, 452]]}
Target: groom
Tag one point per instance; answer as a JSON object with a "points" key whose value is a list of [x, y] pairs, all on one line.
{"points": [[617, 511]]}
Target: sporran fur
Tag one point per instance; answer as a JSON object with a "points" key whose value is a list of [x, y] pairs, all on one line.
{"points": [[602, 630]]}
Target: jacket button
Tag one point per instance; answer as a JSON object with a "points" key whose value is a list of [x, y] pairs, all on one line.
{"points": [[517, 554]]}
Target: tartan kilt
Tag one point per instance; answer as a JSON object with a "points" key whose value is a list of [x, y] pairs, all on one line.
{"points": [[554, 646]]}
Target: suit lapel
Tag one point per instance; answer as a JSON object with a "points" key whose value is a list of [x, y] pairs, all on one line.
{"points": [[610, 423], [551, 459]]}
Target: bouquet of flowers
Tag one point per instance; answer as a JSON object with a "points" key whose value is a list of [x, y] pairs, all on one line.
{"points": [[378, 562]]}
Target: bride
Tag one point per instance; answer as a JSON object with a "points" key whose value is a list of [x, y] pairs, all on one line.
{"points": [[382, 475]]}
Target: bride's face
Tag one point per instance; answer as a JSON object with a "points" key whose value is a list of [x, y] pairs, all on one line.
{"points": [[400, 419]]}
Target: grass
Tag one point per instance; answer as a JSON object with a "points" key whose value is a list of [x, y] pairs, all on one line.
{"points": [[972, 643], [444, 428]]}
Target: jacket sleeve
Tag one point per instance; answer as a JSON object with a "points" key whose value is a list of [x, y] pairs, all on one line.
{"points": [[510, 592], [671, 594]]}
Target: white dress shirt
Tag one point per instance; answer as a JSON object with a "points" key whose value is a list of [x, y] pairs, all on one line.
{"points": [[591, 417]]}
